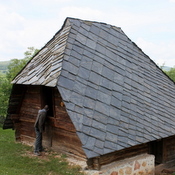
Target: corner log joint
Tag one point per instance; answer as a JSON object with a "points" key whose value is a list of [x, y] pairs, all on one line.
{"points": [[94, 163]]}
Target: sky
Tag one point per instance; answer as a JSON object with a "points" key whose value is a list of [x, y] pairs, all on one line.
{"points": [[32, 23]]}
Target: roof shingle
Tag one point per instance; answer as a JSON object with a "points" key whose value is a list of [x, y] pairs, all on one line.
{"points": [[115, 95]]}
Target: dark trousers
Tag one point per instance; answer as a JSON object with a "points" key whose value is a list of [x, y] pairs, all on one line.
{"points": [[38, 142]]}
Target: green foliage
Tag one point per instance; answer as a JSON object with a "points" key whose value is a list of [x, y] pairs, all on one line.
{"points": [[171, 73], [5, 89], [18, 159], [13, 68], [30, 53], [4, 93], [3, 67], [16, 65]]}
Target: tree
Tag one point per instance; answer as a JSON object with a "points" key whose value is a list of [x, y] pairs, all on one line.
{"points": [[171, 73], [16, 65], [14, 68], [4, 93], [30, 53]]}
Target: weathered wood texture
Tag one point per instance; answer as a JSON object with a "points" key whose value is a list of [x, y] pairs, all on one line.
{"points": [[60, 133], [14, 105], [64, 137], [24, 124], [45, 67], [169, 149], [96, 163]]}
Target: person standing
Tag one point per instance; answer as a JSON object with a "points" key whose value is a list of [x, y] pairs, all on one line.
{"points": [[39, 128]]}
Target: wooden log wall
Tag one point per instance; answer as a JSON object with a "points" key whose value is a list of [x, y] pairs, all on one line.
{"points": [[60, 133], [96, 163], [14, 106], [169, 149], [65, 138], [27, 114]]}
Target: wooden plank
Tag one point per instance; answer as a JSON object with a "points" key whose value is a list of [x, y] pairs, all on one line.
{"points": [[14, 104], [122, 154], [60, 132], [67, 142], [169, 149]]}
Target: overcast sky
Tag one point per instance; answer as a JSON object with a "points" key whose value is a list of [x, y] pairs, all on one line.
{"points": [[148, 23]]}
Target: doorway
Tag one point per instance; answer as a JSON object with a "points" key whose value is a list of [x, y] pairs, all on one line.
{"points": [[47, 99], [156, 148]]}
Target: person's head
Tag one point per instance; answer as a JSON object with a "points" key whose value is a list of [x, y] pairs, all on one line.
{"points": [[46, 107]]}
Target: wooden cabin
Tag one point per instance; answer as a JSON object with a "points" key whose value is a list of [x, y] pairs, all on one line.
{"points": [[108, 100]]}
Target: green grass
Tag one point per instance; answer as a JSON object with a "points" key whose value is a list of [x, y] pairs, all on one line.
{"points": [[15, 160]]}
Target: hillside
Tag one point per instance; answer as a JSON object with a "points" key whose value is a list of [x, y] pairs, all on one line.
{"points": [[166, 68], [3, 66]]}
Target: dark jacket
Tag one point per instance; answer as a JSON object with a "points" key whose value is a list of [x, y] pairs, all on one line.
{"points": [[40, 120]]}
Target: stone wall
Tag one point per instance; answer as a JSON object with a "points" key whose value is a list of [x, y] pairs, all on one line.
{"points": [[139, 165]]}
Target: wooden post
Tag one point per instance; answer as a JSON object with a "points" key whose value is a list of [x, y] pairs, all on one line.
{"points": [[90, 164], [96, 163]]}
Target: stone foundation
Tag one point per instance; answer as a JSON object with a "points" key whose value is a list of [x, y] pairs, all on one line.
{"points": [[139, 165]]}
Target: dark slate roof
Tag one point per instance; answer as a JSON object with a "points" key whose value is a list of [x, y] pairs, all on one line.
{"points": [[115, 95]]}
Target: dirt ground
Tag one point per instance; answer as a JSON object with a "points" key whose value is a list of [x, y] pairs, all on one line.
{"points": [[165, 169], [45, 156], [162, 169]]}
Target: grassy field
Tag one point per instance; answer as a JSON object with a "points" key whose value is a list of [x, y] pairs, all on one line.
{"points": [[17, 159]]}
